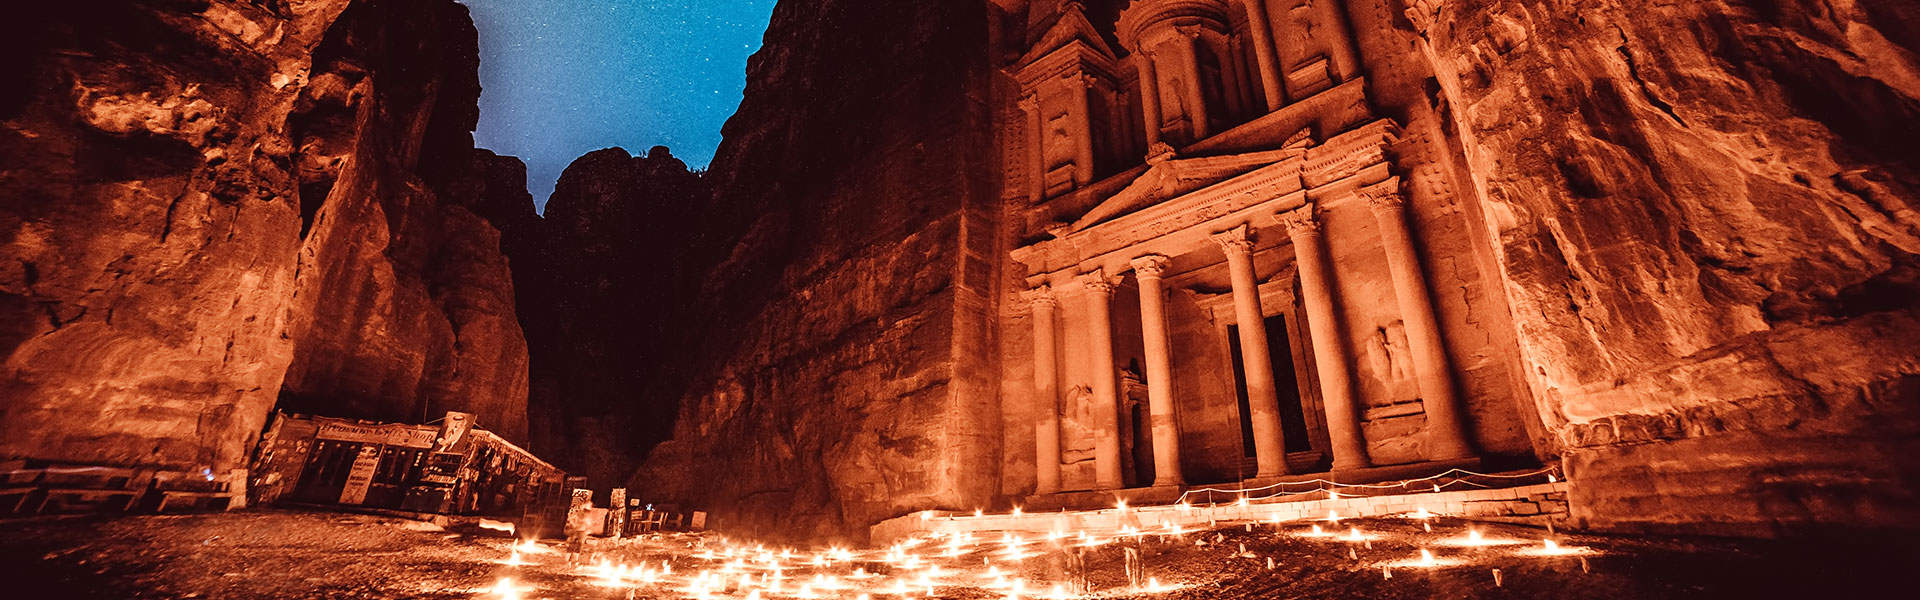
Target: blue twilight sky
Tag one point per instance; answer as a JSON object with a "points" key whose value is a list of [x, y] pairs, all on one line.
{"points": [[566, 77]]}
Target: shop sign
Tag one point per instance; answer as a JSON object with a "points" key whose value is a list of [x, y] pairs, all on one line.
{"points": [[361, 477], [391, 435], [456, 431]]}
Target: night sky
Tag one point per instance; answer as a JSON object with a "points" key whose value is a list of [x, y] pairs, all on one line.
{"points": [[565, 77]]}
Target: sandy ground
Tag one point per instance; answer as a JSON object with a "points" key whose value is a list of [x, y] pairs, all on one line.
{"points": [[287, 554]]}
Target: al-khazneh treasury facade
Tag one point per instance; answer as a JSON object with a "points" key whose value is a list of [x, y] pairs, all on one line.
{"points": [[1236, 255]]}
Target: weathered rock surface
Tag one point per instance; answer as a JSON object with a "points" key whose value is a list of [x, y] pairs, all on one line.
{"points": [[842, 369], [1700, 215], [205, 200], [606, 281], [1705, 217], [403, 304]]}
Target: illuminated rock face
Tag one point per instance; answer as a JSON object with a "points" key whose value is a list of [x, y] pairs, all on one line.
{"points": [[403, 304], [210, 206], [840, 371], [1705, 219], [1669, 246]]}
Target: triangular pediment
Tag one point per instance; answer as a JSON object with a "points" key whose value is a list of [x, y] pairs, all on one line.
{"points": [[1177, 177], [1071, 27]]}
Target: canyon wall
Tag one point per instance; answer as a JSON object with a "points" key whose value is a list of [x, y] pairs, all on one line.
{"points": [[842, 367], [213, 206], [607, 281], [1704, 217]]}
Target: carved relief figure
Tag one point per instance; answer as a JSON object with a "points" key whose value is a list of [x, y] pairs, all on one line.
{"points": [[1389, 364], [1080, 427]]}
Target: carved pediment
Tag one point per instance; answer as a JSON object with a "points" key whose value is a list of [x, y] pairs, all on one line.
{"points": [[1175, 177]]}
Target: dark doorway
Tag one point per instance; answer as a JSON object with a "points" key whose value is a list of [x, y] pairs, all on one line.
{"points": [[1142, 445], [1293, 420], [325, 475]]}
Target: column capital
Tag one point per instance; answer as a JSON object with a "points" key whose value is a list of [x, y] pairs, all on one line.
{"points": [[1097, 281], [1030, 102], [1084, 80], [1299, 221], [1040, 297], [1151, 266], [1235, 241], [1385, 199]]}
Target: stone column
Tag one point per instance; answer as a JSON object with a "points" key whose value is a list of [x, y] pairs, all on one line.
{"points": [[1446, 429], [1346, 61], [1196, 95], [1229, 78], [1263, 400], [1159, 355], [1149, 95], [1106, 398], [1083, 122], [1329, 345], [1046, 392], [1271, 80], [1036, 149]]}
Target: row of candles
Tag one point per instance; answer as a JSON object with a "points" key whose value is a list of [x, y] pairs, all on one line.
{"points": [[914, 566]]}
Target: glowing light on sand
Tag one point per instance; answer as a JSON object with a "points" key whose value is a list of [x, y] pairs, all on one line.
{"points": [[1552, 548], [1475, 539], [506, 590]]}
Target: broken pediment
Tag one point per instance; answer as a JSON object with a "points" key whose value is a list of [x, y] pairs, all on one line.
{"points": [[1072, 27]]}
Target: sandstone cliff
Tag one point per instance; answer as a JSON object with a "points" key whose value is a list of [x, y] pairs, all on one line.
{"points": [[1700, 216], [606, 281], [841, 367], [1704, 214], [210, 206]]}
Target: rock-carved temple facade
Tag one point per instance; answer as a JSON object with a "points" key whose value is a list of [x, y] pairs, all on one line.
{"points": [[1240, 263]]}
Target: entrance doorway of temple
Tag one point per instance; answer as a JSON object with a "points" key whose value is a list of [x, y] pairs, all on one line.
{"points": [[1142, 422], [1293, 420]]}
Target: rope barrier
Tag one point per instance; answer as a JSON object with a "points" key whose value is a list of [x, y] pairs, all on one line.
{"points": [[1457, 475]]}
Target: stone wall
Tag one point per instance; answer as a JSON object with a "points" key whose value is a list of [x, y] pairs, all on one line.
{"points": [[1703, 215], [203, 200], [843, 357], [1540, 503]]}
